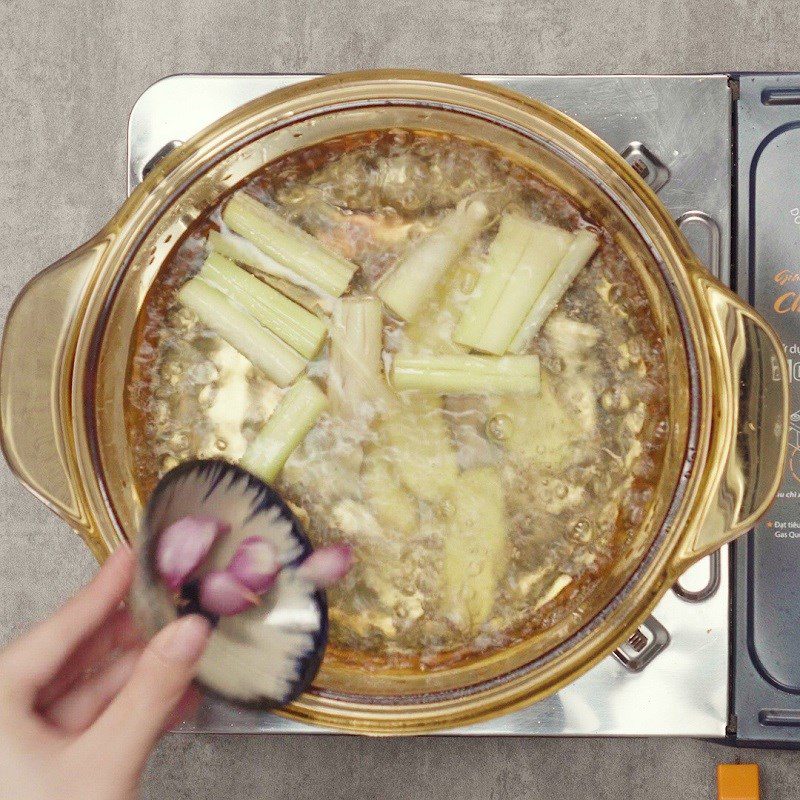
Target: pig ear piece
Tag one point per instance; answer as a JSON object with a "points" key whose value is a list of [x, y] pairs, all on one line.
{"points": [[216, 540]]}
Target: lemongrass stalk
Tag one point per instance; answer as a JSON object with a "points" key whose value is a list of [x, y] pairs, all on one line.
{"points": [[433, 327], [267, 352], [307, 298], [449, 382], [288, 244], [355, 377], [290, 422], [237, 248], [466, 374], [544, 250], [410, 283], [504, 254], [475, 548], [466, 362], [575, 259], [299, 328]]}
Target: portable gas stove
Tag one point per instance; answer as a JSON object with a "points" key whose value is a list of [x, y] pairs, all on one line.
{"points": [[720, 657]]}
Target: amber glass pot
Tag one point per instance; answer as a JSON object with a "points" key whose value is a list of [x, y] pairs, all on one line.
{"points": [[68, 338]]}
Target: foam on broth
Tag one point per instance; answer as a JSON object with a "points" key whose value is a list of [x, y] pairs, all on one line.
{"points": [[578, 463]]}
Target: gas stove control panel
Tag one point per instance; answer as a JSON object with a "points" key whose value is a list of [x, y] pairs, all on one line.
{"points": [[766, 641]]}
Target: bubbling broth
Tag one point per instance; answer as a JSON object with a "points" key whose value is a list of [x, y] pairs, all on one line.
{"points": [[483, 498]]}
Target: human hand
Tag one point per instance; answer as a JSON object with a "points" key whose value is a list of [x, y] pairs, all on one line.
{"points": [[82, 703]]}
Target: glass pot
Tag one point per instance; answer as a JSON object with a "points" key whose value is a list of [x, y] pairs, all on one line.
{"points": [[68, 337]]}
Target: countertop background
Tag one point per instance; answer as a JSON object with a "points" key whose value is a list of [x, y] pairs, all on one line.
{"points": [[71, 72]]}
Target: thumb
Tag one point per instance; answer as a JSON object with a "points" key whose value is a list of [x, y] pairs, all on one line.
{"points": [[138, 715]]}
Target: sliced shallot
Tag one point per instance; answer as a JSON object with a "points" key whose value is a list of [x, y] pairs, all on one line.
{"points": [[184, 545], [255, 564], [327, 565], [221, 594]]}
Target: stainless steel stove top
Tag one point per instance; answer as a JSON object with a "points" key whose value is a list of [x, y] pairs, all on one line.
{"points": [[672, 677]]}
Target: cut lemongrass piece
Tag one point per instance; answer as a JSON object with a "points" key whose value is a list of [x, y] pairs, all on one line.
{"points": [[545, 248], [310, 299], [575, 259], [466, 374], [265, 351], [504, 254], [410, 283], [288, 244], [355, 377], [433, 327], [237, 248], [297, 327], [295, 415]]}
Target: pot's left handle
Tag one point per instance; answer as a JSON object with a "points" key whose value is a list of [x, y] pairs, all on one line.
{"points": [[750, 416], [35, 371]]}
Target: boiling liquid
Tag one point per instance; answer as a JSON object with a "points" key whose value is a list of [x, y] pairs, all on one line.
{"points": [[577, 464]]}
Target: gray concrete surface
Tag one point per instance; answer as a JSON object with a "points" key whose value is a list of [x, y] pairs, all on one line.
{"points": [[71, 72]]}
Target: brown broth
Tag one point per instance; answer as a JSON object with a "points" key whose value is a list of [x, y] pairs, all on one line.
{"points": [[578, 464]]}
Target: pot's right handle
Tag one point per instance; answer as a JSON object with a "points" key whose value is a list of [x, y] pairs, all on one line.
{"points": [[750, 416], [35, 370]]}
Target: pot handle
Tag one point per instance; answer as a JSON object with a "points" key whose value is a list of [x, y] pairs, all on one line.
{"points": [[35, 370], [750, 416]]}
